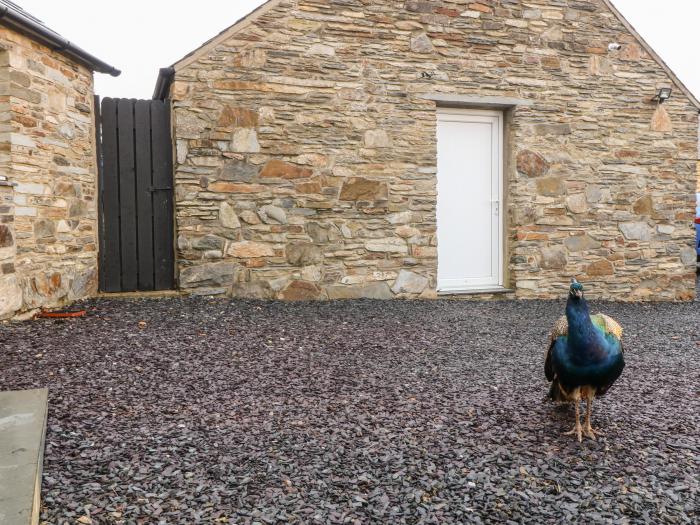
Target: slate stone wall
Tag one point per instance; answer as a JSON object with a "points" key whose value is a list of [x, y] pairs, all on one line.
{"points": [[48, 152], [306, 151], [10, 292]]}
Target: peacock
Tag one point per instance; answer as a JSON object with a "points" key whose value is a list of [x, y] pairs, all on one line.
{"points": [[584, 359]]}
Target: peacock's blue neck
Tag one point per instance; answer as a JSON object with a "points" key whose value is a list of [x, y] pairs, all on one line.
{"points": [[582, 334]]}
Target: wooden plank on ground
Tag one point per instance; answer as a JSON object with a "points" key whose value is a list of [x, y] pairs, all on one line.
{"points": [[22, 437]]}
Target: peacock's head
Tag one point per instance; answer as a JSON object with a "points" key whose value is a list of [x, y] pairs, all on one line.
{"points": [[576, 289]]}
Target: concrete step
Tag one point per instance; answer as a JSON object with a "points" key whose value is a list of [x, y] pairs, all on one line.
{"points": [[22, 434]]}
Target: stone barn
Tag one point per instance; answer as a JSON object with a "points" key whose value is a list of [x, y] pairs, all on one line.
{"points": [[330, 149], [48, 180]]}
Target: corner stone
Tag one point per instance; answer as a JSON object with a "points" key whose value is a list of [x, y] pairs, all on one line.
{"points": [[6, 238], [359, 189], [273, 214], [376, 290], [600, 269], [377, 138], [284, 170], [644, 206], [255, 290], [553, 259], [304, 254], [421, 43], [390, 245], [237, 171], [577, 203], [552, 129], [245, 141], [409, 282], [203, 275], [228, 217], [551, 186], [301, 291], [661, 121], [636, 231], [238, 117], [581, 243], [688, 256], [532, 164], [250, 250], [10, 295]]}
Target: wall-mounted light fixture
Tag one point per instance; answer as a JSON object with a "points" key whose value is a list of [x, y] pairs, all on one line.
{"points": [[663, 95]]}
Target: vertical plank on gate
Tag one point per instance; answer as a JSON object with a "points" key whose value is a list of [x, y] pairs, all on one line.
{"points": [[110, 270], [144, 203], [162, 195], [127, 195], [100, 182]]}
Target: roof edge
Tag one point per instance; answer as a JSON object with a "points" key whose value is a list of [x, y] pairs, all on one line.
{"points": [[650, 50], [166, 75], [20, 22], [163, 83], [241, 24]]}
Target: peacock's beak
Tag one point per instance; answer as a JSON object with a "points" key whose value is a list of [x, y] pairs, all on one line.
{"points": [[578, 294]]}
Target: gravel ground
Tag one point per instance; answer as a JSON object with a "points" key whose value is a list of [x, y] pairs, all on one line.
{"points": [[201, 411]]}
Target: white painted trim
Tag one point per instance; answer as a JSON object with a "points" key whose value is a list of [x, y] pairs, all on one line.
{"points": [[462, 115], [473, 101], [475, 291]]}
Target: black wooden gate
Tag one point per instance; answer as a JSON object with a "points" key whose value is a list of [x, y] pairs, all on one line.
{"points": [[136, 196]]}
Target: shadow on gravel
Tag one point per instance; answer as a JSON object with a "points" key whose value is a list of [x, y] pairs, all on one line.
{"points": [[201, 411]]}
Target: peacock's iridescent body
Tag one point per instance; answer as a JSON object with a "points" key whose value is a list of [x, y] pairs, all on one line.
{"points": [[585, 357]]}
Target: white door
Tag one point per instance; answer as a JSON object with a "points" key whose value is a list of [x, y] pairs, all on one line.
{"points": [[470, 192]]}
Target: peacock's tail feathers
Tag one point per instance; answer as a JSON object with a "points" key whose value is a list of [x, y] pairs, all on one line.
{"points": [[608, 325], [556, 393], [560, 329]]}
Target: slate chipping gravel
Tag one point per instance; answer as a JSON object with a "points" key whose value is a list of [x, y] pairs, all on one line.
{"points": [[355, 412]]}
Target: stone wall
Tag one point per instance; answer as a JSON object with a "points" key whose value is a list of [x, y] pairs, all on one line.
{"points": [[10, 292], [48, 152], [306, 150]]}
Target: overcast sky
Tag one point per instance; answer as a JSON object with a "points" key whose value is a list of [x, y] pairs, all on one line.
{"points": [[139, 37]]}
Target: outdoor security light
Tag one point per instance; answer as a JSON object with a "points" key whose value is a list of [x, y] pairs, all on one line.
{"points": [[663, 95]]}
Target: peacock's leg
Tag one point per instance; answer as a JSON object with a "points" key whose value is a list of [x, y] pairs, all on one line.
{"points": [[587, 428], [577, 428]]}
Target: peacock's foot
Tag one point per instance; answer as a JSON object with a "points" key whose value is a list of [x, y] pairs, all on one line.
{"points": [[576, 431], [592, 433]]}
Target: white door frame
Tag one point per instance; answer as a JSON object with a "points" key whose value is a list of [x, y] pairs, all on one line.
{"points": [[496, 118]]}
